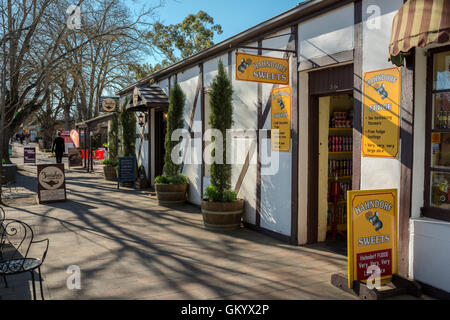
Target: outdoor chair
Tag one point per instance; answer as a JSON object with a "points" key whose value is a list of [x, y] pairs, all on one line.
{"points": [[16, 242], [2, 216]]}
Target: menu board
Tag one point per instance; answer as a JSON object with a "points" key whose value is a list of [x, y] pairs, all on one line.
{"points": [[372, 235], [51, 183], [281, 119], [126, 170], [381, 125], [29, 155], [75, 157]]}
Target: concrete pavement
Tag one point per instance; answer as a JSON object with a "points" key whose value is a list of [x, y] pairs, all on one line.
{"points": [[128, 247]]}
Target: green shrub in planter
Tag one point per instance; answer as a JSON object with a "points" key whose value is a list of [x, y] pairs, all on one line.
{"points": [[110, 162], [212, 194], [222, 210], [176, 179], [171, 186]]}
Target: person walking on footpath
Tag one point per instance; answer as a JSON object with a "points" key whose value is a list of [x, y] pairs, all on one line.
{"points": [[58, 147]]}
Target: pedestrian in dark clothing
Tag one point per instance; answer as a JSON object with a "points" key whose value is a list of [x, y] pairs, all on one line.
{"points": [[58, 147], [22, 136]]}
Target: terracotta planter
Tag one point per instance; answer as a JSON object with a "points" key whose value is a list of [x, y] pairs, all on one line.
{"points": [[171, 194], [222, 216], [110, 173]]}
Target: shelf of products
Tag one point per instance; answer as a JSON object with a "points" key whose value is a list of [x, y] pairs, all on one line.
{"points": [[340, 227], [341, 218], [341, 119], [340, 150], [340, 129], [340, 143], [340, 168]]}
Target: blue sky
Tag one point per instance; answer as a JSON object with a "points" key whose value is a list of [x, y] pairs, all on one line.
{"points": [[234, 16]]}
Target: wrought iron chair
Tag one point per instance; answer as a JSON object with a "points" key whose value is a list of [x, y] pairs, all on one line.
{"points": [[16, 240], [2, 215]]}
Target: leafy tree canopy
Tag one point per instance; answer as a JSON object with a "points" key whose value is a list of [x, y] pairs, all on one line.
{"points": [[179, 41]]}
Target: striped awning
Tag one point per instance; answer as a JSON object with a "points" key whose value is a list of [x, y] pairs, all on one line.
{"points": [[419, 23]]}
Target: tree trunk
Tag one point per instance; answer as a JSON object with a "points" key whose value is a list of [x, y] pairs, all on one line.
{"points": [[67, 117]]}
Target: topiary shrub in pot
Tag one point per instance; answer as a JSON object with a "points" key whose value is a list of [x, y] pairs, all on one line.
{"points": [[110, 169], [221, 209], [171, 187]]}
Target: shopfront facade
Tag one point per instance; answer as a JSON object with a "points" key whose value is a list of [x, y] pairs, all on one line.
{"points": [[330, 46]]}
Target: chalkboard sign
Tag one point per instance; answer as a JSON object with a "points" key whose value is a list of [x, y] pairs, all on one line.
{"points": [[29, 155], [126, 170], [75, 157]]}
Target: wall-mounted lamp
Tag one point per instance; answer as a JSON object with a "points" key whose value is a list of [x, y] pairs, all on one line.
{"points": [[141, 120]]}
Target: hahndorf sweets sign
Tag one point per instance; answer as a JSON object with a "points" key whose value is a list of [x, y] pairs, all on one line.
{"points": [[255, 68], [281, 119], [51, 183], [372, 234], [381, 125]]}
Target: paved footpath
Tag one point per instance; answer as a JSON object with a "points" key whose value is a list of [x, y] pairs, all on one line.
{"points": [[128, 247]]}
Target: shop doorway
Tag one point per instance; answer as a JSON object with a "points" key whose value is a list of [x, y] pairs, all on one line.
{"points": [[330, 165], [160, 134], [333, 167]]}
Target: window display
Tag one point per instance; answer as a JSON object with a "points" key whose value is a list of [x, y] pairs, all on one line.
{"points": [[439, 151]]}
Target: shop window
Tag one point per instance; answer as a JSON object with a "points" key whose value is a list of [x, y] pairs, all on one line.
{"points": [[437, 175]]}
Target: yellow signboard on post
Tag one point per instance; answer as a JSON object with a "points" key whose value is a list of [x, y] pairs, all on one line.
{"points": [[255, 68], [381, 112], [281, 119], [372, 235]]}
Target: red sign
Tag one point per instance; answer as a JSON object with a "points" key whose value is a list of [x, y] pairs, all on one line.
{"points": [[29, 155], [66, 136], [381, 258]]}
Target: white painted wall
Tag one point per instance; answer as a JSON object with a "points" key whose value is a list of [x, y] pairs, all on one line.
{"points": [[327, 34], [378, 173], [188, 81], [276, 188], [431, 247], [245, 116]]}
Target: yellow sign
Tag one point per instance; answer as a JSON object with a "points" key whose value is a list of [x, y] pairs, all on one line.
{"points": [[436, 137], [381, 104], [372, 235], [254, 68], [281, 119]]}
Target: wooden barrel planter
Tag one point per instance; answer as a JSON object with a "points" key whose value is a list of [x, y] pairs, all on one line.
{"points": [[110, 173], [171, 194], [222, 216]]}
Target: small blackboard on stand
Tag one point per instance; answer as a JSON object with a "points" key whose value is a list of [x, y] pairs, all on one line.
{"points": [[126, 171]]}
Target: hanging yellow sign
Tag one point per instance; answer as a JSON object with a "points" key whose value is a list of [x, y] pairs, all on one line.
{"points": [[281, 119], [372, 235], [255, 68], [381, 112]]}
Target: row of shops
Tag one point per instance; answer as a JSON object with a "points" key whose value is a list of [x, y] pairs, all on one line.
{"points": [[334, 62]]}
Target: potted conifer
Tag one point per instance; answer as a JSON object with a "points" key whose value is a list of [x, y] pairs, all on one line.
{"points": [[110, 164], [171, 186], [221, 209]]}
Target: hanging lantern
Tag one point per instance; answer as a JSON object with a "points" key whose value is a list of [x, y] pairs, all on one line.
{"points": [[141, 120]]}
